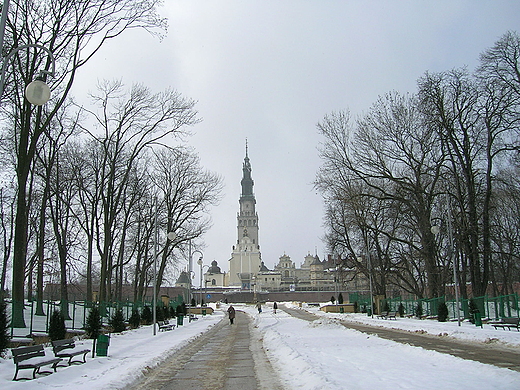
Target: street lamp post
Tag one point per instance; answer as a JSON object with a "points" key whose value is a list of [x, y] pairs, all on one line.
{"points": [[154, 300], [171, 236], [200, 262]]}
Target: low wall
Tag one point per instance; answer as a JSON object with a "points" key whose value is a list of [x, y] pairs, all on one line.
{"points": [[342, 308], [198, 310]]}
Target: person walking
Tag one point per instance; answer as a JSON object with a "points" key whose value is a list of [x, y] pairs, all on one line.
{"points": [[275, 306], [231, 314], [259, 307]]}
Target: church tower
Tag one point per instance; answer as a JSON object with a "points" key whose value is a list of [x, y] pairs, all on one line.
{"points": [[246, 259]]}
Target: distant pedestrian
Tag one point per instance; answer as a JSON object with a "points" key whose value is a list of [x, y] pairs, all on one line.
{"points": [[231, 313], [259, 307], [275, 306]]}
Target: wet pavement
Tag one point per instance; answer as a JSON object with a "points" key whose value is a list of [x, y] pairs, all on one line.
{"points": [[225, 357]]}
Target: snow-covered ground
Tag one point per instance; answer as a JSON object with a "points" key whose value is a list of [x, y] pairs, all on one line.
{"points": [[318, 355]]}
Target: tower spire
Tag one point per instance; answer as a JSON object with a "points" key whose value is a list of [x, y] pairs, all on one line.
{"points": [[247, 181]]}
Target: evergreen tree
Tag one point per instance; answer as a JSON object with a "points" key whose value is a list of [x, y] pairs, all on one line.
{"points": [[340, 298], [117, 322], [57, 330], [418, 310], [193, 303], [147, 315], [4, 327], [442, 312], [184, 309], [401, 310], [135, 318], [386, 306], [159, 313], [332, 299], [93, 327], [166, 312], [473, 308], [172, 312]]}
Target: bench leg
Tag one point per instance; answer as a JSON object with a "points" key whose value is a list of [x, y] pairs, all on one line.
{"points": [[15, 373]]}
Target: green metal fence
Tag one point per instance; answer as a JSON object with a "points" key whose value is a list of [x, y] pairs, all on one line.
{"points": [[77, 313], [489, 307]]}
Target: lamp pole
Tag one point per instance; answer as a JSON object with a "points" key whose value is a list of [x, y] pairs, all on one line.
{"points": [[453, 259], [155, 272], [200, 262]]}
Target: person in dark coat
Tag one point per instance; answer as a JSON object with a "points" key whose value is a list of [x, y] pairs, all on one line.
{"points": [[231, 313], [275, 306]]}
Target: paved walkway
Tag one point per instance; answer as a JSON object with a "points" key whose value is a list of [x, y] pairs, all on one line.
{"points": [[485, 353], [225, 357]]}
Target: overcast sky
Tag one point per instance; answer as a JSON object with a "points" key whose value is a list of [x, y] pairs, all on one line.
{"points": [[269, 71]]}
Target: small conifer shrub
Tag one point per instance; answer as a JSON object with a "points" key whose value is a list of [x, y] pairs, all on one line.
{"points": [[93, 325], [401, 310], [340, 298], [117, 322], [135, 318], [4, 327], [57, 330], [166, 312], [146, 315], [159, 313], [442, 312], [418, 310]]}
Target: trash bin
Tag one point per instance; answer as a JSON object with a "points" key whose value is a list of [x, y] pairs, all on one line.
{"points": [[103, 341], [203, 312], [341, 309], [478, 319], [180, 320]]}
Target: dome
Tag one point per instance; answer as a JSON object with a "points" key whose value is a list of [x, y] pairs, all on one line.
{"points": [[183, 278], [214, 269]]}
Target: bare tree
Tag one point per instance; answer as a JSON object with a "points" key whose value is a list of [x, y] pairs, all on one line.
{"points": [[74, 32], [187, 191], [129, 124], [393, 157]]}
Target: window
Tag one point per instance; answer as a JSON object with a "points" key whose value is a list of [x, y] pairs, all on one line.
{"points": [[213, 282]]}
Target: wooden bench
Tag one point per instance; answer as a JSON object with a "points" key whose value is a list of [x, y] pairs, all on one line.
{"points": [[34, 358], [67, 349], [388, 315], [507, 323], [193, 317], [392, 315], [165, 325]]}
